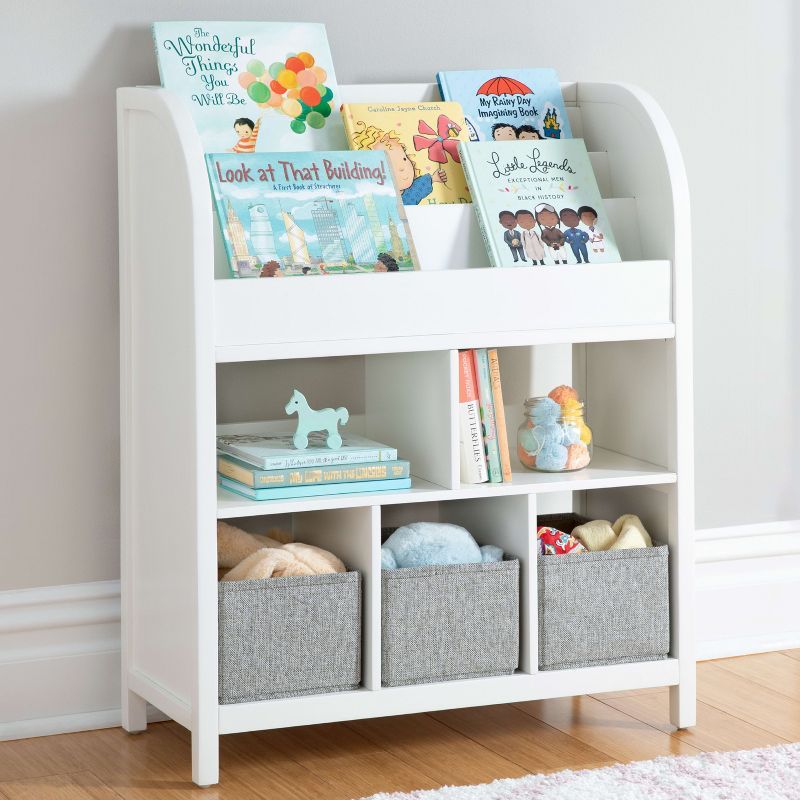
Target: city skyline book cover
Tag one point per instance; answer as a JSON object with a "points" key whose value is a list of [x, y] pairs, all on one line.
{"points": [[508, 105], [421, 144], [321, 213], [253, 86], [537, 203]]}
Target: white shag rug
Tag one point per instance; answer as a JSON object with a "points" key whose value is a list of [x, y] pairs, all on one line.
{"points": [[771, 773]]}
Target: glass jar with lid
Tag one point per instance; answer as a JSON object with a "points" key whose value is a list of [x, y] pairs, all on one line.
{"points": [[554, 437]]}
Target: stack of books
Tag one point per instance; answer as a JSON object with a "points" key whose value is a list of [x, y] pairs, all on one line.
{"points": [[267, 466], [483, 436]]}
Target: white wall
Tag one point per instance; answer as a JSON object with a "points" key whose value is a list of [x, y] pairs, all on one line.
{"points": [[720, 70]]}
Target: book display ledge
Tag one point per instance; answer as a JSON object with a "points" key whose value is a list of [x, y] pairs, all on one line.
{"points": [[620, 333]]}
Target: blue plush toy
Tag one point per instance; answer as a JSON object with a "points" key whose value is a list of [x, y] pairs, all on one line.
{"points": [[424, 544]]}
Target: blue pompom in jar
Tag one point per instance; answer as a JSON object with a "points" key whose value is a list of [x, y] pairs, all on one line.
{"points": [[553, 437]]}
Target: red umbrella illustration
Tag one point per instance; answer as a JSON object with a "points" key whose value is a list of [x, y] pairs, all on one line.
{"points": [[501, 85]]}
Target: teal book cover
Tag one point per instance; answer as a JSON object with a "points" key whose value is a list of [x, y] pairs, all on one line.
{"points": [[245, 473], [326, 489], [276, 450], [253, 86], [538, 203], [294, 214], [508, 104], [488, 423]]}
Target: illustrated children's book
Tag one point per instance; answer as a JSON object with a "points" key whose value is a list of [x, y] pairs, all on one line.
{"points": [[253, 86], [238, 470], [294, 214], [275, 450], [508, 104], [421, 143], [290, 492], [538, 203]]}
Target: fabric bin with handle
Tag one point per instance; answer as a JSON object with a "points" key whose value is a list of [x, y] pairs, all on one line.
{"points": [[284, 637], [602, 608], [449, 622]]}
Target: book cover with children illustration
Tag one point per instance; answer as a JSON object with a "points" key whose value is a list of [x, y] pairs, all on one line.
{"points": [[321, 213], [538, 203], [421, 144], [508, 105], [253, 86]]}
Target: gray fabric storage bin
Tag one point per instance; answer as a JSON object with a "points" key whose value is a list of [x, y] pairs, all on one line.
{"points": [[602, 608], [448, 622], [284, 637]]}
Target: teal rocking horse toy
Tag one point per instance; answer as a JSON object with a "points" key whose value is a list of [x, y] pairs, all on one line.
{"points": [[309, 421]]}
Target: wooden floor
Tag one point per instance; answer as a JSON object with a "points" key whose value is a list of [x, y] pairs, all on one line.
{"points": [[747, 702]]}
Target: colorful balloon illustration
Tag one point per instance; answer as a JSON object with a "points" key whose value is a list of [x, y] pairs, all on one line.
{"points": [[294, 87], [259, 92], [255, 67], [245, 79], [306, 58]]}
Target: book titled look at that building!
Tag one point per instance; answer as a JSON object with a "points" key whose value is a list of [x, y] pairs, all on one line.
{"points": [[319, 213]]}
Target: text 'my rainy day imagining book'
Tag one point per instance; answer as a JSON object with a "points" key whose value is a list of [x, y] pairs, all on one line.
{"points": [[508, 105], [300, 213], [253, 86], [538, 203]]}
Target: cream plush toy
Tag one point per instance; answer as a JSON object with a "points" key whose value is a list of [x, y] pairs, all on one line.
{"points": [[250, 556], [625, 534]]}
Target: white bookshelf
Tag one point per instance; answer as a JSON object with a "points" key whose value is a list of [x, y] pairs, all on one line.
{"points": [[621, 333]]}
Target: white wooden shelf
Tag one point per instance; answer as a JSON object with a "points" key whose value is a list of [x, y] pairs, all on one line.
{"points": [[621, 333], [361, 704], [607, 470]]}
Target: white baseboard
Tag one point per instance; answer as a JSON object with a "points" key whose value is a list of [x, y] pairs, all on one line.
{"points": [[60, 645], [747, 589]]}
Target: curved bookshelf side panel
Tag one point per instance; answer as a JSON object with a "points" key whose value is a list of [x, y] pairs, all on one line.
{"points": [[167, 407]]}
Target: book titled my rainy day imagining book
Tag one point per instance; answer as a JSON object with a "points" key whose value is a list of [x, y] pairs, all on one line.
{"points": [[507, 105], [538, 203], [321, 213], [253, 86]]}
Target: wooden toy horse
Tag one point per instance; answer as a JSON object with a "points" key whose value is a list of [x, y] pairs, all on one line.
{"points": [[308, 420]]}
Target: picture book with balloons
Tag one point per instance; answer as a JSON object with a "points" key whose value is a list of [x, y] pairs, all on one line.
{"points": [[538, 203], [420, 141], [253, 86], [321, 213], [507, 105]]}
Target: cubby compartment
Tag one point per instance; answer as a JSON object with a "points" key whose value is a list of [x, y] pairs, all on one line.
{"points": [[442, 623], [402, 400], [292, 636], [628, 411], [607, 607]]}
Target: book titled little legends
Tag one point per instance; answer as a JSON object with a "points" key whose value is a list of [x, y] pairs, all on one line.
{"points": [[538, 203], [320, 213]]}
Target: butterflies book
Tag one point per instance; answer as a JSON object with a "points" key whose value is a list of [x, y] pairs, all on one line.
{"points": [[253, 86], [321, 213], [421, 144], [508, 104], [538, 203]]}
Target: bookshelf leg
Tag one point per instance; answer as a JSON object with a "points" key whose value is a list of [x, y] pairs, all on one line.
{"points": [[205, 757], [683, 704], [134, 712]]}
